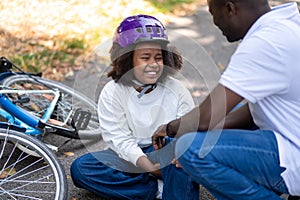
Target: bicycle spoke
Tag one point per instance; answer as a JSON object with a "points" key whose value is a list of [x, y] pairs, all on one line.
{"points": [[6, 192], [13, 195], [26, 176], [63, 114]]}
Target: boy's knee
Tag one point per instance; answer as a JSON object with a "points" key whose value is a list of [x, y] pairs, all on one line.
{"points": [[75, 172], [74, 168], [183, 144]]}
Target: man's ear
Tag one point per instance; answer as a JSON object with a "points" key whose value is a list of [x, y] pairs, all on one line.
{"points": [[230, 8]]}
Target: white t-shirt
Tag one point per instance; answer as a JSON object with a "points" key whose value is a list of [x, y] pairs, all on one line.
{"points": [[265, 70], [128, 122]]}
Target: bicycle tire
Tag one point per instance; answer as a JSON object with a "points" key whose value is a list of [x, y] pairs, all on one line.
{"points": [[23, 176], [71, 99]]}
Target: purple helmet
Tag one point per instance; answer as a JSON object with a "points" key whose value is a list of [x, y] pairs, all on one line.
{"points": [[140, 28]]}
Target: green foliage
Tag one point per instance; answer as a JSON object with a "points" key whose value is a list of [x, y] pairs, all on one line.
{"points": [[168, 5], [28, 62], [74, 44], [61, 33], [35, 62]]}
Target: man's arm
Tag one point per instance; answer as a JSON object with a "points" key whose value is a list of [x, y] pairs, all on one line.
{"points": [[208, 115], [238, 119]]}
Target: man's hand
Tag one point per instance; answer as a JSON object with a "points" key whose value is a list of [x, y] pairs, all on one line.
{"points": [[158, 138]]}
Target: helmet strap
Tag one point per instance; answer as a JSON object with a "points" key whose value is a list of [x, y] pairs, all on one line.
{"points": [[144, 88]]}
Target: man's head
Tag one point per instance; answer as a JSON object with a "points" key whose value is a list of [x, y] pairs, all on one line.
{"points": [[235, 17]]}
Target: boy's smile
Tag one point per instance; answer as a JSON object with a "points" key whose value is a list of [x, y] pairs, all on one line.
{"points": [[147, 62]]}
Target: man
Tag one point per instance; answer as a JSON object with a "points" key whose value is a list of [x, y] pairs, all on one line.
{"points": [[226, 155]]}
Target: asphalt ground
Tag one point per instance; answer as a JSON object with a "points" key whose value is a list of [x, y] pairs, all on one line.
{"points": [[206, 54]]}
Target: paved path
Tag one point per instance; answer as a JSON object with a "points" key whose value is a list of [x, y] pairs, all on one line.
{"points": [[206, 53]]}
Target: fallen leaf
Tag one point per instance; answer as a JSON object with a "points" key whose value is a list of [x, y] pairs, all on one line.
{"points": [[34, 106], [221, 66], [48, 96], [69, 153], [55, 122], [7, 172]]}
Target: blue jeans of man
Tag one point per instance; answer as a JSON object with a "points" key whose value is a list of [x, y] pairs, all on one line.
{"points": [[109, 176], [233, 164]]}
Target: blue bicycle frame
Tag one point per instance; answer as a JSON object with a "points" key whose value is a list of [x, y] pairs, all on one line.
{"points": [[73, 120], [15, 115]]}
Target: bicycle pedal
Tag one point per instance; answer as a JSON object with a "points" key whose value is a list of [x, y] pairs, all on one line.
{"points": [[81, 118]]}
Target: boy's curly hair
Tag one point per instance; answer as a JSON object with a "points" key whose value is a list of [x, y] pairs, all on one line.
{"points": [[122, 63]]}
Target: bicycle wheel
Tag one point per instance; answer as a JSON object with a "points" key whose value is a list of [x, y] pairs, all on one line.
{"points": [[66, 107], [23, 176]]}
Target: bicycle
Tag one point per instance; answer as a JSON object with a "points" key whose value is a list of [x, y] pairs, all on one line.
{"points": [[45, 106], [28, 176], [30, 107]]}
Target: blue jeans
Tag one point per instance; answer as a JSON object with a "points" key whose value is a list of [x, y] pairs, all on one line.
{"points": [[109, 176], [237, 164]]}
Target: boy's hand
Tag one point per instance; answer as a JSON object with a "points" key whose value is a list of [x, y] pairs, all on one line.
{"points": [[146, 164], [176, 163], [158, 138]]}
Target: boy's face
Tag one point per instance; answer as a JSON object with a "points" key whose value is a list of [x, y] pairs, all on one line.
{"points": [[147, 62]]}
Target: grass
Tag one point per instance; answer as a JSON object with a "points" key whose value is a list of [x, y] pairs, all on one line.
{"points": [[167, 6], [55, 36]]}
